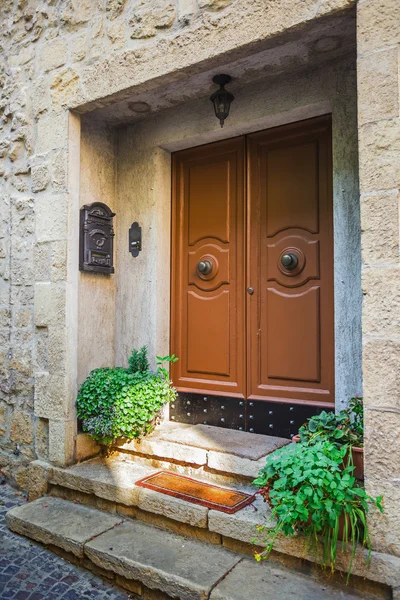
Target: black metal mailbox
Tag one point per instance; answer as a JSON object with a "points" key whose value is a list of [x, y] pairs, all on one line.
{"points": [[96, 238]]}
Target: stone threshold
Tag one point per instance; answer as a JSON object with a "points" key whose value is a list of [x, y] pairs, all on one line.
{"points": [[215, 449], [145, 559]]}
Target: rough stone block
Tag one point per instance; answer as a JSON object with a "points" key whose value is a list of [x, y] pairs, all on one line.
{"points": [[51, 218], [239, 443], [53, 54], [53, 521], [65, 89], [79, 46], [42, 439], [167, 450], [50, 396], [378, 24], [379, 227], [147, 17], [214, 4], [62, 440], [379, 147], [173, 508], [49, 303], [242, 525], [56, 349], [86, 447], [382, 443], [381, 302], [161, 560], [21, 427], [378, 86], [117, 33], [37, 479], [384, 528], [229, 463], [266, 581], [52, 132], [111, 479], [40, 177], [381, 360]]}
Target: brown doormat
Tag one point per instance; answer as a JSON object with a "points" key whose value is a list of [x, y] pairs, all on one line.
{"points": [[197, 492]]}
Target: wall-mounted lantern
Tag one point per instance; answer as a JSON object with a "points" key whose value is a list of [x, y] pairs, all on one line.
{"points": [[222, 99]]}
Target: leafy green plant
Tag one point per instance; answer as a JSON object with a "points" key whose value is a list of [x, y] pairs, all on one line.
{"points": [[345, 427], [124, 403], [138, 361], [310, 493], [165, 359]]}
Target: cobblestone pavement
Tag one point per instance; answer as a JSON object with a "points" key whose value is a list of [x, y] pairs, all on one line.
{"points": [[29, 572]]}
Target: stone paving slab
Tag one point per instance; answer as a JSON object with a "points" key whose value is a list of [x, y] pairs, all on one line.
{"points": [[251, 446], [234, 465], [115, 479], [266, 581], [63, 524], [242, 525], [173, 508], [161, 560], [166, 450], [110, 478], [28, 571]]}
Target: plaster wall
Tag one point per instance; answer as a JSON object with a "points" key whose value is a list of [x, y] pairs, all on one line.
{"points": [[143, 195], [96, 291]]}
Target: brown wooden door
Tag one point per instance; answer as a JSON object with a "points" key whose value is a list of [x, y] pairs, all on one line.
{"points": [[207, 325], [290, 315], [276, 343]]}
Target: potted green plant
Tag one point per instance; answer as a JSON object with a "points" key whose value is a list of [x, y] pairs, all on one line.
{"points": [[310, 493], [115, 403], [345, 427]]}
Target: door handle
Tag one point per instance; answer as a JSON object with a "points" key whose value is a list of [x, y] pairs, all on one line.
{"points": [[250, 291], [204, 267], [290, 261]]}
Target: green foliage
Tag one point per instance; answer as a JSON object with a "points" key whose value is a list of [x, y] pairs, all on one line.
{"points": [[310, 492], [116, 402], [345, 427], [165, 359], [138, 361]]}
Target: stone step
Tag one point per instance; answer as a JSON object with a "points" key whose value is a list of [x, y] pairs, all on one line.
{"points": [[137, 554], [237, 454], [114, 479]]}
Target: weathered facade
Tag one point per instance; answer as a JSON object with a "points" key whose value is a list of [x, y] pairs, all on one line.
{"points": [[96, 94]]}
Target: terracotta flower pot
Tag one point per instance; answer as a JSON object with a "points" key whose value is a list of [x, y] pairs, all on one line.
{"points": [[296, 438], [358, 462]]}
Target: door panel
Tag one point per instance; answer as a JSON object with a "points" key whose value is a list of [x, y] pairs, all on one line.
{"points": [[290, 316], [208, 318]]}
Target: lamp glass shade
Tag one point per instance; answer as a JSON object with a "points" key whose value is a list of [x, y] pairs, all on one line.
{"points": [[222, 100]]}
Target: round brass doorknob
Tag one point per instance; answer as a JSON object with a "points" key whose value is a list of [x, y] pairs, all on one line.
{"points": [[204, 267], [290, 261]]}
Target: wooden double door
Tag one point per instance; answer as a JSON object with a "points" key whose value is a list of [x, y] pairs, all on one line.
{"points": [[252, 266]]}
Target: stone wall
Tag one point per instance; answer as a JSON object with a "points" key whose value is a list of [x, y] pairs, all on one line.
{"points": [[378, 41], [77, 55]]}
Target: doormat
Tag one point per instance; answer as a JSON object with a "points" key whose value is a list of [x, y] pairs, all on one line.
{"points": [[197, 492]]}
